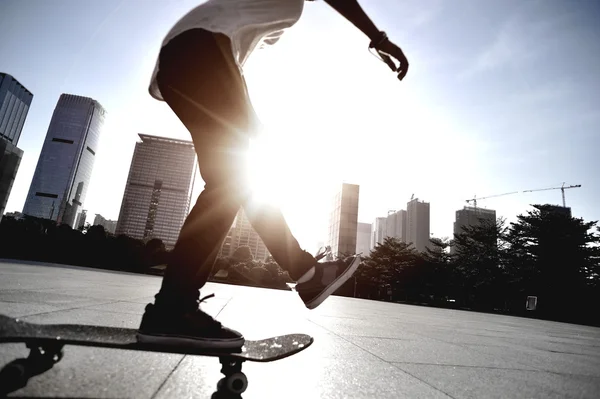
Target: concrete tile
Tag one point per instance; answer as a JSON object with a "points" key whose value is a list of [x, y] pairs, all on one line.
{"points": [[524, 357], [355, 341], [367, 327], [475, 382], [101, 373], [427, 351], [17, 309], [60, 300], [301, 376], [89, 317]]}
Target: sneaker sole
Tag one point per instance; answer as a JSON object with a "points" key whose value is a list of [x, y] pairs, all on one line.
{"points": [[190, 342], [337, 283]]}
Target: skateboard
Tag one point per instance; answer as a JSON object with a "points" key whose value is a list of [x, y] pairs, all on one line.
{"points": [[46, 341]]}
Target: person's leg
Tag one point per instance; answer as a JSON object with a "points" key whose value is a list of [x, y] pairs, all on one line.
{"points": [[207, 94]]}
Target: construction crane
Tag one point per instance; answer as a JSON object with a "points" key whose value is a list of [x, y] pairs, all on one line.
{"points": [[474, 199], [561, 188]]}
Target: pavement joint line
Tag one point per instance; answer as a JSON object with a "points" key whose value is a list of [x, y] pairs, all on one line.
{"points": [[467, 366], [500, 368], [385, 361], [168, 376], [533, 368], [59, 310]]}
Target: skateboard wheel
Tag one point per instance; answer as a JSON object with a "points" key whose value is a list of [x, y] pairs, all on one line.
{"points": [[236, 383]]}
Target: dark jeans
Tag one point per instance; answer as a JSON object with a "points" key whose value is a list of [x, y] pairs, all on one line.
{"points": [[200, 81]]}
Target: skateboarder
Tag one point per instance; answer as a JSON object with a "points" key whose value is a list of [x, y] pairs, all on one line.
{"points": [[199, 75]]}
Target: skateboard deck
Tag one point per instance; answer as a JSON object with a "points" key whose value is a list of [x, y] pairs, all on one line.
{"points": [[46, 342]]}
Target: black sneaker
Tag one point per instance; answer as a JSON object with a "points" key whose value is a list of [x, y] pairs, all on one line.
{"points": [[197, 329], [328, 277]]}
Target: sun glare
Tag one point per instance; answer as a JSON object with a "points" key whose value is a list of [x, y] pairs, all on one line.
{"points": [[266, 171]]}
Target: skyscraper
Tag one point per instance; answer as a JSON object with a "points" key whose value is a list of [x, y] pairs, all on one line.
{"points": [[363, 239], [64, 168], [157, 194], [15, 101], [378, 232], [470, 217], [343, 220], [417, 224], [394, 225]]}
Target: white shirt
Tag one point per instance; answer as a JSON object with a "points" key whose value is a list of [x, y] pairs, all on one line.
{"points": [[247, 23]]}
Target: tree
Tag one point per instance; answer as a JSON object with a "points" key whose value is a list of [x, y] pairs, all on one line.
{"points": [[440, 282], [555, 257], [389, 266], [242, 254], [480, 263]]}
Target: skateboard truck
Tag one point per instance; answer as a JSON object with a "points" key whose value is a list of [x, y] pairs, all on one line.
{"points": [[235, 382]]}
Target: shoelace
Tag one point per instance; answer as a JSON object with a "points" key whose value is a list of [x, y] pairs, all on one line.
{"points": [[204, 314]]}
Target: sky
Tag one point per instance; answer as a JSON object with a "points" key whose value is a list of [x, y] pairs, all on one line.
{"points": [[501, 96]]}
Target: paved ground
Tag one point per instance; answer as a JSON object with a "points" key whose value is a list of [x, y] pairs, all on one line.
{"points": [[362, 349]]}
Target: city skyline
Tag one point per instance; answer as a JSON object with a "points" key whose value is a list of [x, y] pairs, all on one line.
{"points": [[492, 117]]}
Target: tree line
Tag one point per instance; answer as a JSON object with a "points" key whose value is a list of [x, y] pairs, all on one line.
{"points": [[546, 255], [43, 240]]}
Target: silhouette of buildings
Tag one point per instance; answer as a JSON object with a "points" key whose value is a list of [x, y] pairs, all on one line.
{"points": [[157, 193], [81, 218], [363, 238], [109, 225], [243, 234], [555, 209], [417, 224], [15, 101], [64, 168], [343, 220]]}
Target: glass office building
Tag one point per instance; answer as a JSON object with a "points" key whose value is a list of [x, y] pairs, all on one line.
{"points": [[64, 168], [343, 221], [15, 101], [157, 194]]}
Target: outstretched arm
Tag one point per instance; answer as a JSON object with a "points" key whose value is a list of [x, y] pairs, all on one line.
{"points": [[353, 12]]}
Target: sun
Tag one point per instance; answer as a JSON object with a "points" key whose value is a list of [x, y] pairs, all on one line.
{"points": [[266, 167]]}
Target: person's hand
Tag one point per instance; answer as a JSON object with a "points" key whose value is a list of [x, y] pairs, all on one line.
{"points": [[394, 51]]}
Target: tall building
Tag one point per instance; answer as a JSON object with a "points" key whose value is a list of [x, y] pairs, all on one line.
{"points": [[396, 225], [15, 101], [157, 194], [378, 231], [81, 218], [64, 168], [109, 225], [417, 224], [470, 216], [243, 234], [343, 220], [363, 238]]}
